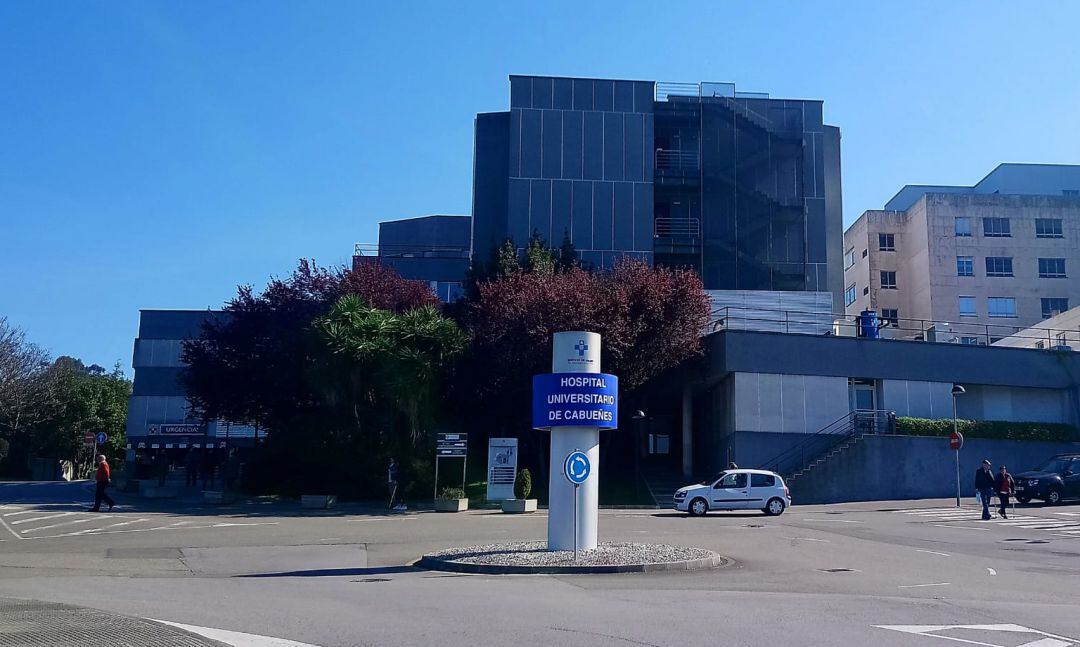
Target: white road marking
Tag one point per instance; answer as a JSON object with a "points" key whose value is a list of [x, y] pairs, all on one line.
{"points": [[919, 586], [938, 525], [808, 539], [4, 524], [48, 516], [991, 571], [112, 525], [12, 514], [236, 638], [834, 520], [1069, 514], [96, 517], [932, 552], [1047, 640]]}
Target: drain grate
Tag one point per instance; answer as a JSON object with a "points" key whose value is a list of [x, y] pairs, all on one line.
{"points": [[372, 579], [838, 570]]}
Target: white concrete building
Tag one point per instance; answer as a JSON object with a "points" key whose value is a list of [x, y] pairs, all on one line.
{"points": [[969, 264]]}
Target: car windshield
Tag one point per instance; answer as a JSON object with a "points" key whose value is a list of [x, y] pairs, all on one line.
{"points": [[1055, 465], [715, 479]]}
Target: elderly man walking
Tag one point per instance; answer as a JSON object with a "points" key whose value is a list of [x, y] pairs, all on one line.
{"points": [[102, 480], [984, 485]]}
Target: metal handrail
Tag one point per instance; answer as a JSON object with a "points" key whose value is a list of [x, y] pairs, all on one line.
{"points": [[854, 423], [664, 89]]}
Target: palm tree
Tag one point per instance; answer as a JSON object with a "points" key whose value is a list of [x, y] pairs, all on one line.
{"points": [[401, 357]]}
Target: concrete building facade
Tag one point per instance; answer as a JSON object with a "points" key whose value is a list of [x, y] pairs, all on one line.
{"points": [[433, 249], [741, 187], [969, 264]]}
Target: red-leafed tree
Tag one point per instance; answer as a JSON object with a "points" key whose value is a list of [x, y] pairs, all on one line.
{"points": [[650, 320], [261, 363]]}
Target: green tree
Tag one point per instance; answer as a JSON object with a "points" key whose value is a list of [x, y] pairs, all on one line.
{"points": [[398, 358], [538, 258]]}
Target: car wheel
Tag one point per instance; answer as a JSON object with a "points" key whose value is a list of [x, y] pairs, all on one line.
{"points": [[1023, 500], [774, 507], [1053, 497], [698, 507]]}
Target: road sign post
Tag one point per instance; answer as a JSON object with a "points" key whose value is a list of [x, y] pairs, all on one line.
{"points": [[576, 469], [956, 441], [575, 401]]}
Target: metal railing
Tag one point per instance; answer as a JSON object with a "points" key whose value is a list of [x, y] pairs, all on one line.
{"points": [[817, 445], [677, 227], [665, 89], [903, 329], [411, 251], [677, 160]]}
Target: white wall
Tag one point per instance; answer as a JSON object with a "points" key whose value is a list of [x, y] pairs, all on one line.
{"points": [[917, 399], [788, 403], [1013, 403]]}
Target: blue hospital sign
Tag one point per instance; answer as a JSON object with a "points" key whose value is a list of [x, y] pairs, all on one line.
{"points": [[575, 400]]}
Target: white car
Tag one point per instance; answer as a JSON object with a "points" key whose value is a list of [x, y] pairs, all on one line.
{"points": [[736, 490]]}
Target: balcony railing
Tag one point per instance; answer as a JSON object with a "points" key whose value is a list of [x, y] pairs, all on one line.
{"points": [[690, 227], [677, 160], [917, 330]]}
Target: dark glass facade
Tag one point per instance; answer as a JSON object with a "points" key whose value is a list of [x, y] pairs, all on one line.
{"points": [[744, 189], [433, 249]]}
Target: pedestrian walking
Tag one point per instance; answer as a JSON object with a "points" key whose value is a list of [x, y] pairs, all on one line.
{"points": [[1005, 487], [102, 480], [393, 476], [984, 485]]}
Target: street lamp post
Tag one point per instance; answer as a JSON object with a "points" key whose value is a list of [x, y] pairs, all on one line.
{"points": [[957, 390]]}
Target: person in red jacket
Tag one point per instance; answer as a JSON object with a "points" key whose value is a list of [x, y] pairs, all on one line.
{"points": [[1004, 488], [102, 480]]}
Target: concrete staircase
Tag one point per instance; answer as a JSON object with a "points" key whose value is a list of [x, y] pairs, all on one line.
{"points": [[824, 458]]}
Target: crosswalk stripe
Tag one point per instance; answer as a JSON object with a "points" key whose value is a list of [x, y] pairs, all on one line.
{"points": [[112, 525]]}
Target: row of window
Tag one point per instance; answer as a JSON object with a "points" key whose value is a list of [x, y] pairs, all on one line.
{"points": [[1001, 227], [997, 266], [1005, 307]]}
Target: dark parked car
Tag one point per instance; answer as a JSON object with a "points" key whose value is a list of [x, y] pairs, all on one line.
{"points": [[1057, 479]]}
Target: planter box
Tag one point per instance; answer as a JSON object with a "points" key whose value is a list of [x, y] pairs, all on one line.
{"points": [[158, 492], [518, 506], [318, 501], [451, 505], [210, 496]]}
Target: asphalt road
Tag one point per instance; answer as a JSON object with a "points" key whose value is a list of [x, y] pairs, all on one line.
{"points": [[911, 573]]}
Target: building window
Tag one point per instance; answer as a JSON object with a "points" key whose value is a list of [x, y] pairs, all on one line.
{"points": [[886, 242], [965, 266], [969, 341], [963, 227], [1051, 307], [849, 295], [888, 280], [849, 258], [996, 228], [1072, 192], [967, 306], [1060, 337], [1048, 228], [866, 289], [999, 266], [1001, 307], [1052, 268], [864, 253], [890, 317]]}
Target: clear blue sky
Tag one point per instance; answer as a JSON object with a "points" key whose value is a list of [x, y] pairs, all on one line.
{"points": [[155, 155]]}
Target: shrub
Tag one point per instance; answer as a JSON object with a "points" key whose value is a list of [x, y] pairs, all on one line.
{"points": [[523, 484], [450, 493], [989, 429]]}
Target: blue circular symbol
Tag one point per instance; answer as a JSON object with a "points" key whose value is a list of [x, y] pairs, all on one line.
{"points": [[101, 438], [577, 467]]}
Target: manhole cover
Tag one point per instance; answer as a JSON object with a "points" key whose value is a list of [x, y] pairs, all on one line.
{"points": [[838, 570], [373, 579]]}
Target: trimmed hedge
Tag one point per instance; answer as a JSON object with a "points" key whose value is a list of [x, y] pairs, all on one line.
{"points": [[989, 429]]}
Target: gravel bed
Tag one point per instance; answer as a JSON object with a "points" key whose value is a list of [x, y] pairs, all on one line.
{"points": [[534, 557]]}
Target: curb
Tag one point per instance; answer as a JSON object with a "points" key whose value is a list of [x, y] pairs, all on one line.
{"points": [[436, 564]]}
